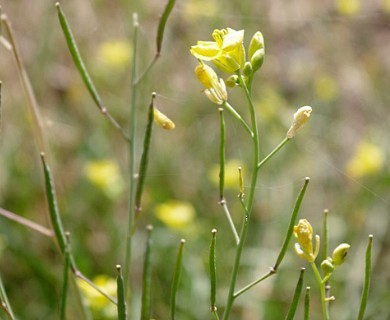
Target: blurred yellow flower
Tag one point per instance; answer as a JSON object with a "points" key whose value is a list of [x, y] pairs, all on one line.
{"points": [[368, 160], [231, 174], [386, 6], [100, 306], [197, 9], [325, 87], [105, 175], [227, 52], [348, 7], [115, 53], [175, 214]]}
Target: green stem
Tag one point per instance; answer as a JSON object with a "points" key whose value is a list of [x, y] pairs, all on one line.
{"points": [[273, 152], [221, 155], [286, 242], [6, 306], [131, 155], [317, 275], [244, 229], [236, 115]]}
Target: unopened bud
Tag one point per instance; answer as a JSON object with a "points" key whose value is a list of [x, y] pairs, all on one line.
{"points": [[257, 42], [340, 253], [327, 266], [257, 59], [300, 118], [247, 70], [232, 81]]}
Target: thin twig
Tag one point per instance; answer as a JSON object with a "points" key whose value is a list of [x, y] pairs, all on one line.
{"points": [[26, 222]]}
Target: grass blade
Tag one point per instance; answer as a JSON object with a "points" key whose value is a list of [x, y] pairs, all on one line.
{"points": [[121, 305], [291, 225], [147, 278], [294, 304], [367, 279], [176, 278]]}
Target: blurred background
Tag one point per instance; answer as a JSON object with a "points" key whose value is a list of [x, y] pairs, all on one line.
{"points": [[331, 55]]}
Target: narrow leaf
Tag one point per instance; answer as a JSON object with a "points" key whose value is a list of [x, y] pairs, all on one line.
{"points": [[163, 22], [147, 278], [176, 278], [121, 305], [367, 279], [294, 304], [291, 225]]}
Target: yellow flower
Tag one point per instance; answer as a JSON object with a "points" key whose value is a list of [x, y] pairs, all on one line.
{"points": [[368, 160], [226, 52], [115, 54], [215, 89], [300, 118], [175, 214], [105, 175], [304, 234]]}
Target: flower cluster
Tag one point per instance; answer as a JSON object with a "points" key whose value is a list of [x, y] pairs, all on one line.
{"points": [[227, 53], [304, 248]]}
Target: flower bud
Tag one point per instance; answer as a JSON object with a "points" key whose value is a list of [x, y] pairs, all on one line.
{"points": [[247, 70], [162, 120], [300, 118], [257, 42], [327, 266], [340, 253], [257, 59], [232, 81]]}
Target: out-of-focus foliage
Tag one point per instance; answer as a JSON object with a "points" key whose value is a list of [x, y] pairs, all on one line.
{"points": [[332, 55]]}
